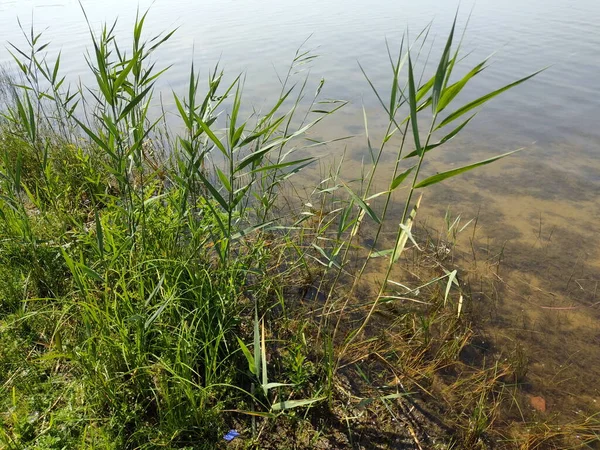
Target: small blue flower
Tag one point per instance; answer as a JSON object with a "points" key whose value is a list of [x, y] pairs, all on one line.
{"points": [[231, 435]]}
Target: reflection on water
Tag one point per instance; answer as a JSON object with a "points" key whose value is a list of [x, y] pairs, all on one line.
{"points": [[540, 209]]}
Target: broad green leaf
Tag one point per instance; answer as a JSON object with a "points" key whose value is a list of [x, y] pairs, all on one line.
{"points": [[239, 195], [234, 115], [249, 357], [145, 79], [282, 165], [138, 26], [423, 90], [481, 100], [164, 39], [112, 128], [223, 179], [133, 103], [396, 395], [374, 89], [250, 230], [453, 90], [413, 105], [355, 225], [275, 108], [193, 87], [237, 135], [343, 222], [367, 401], [21, 65], [103, 85], [155, 198], [445, 139], [441, 72], [89, 272], [123, 75], [18, 169], [22, 86], [330, 261], [215, 193], [360, 202], [258, 154], [289, 404], [400, 178], [451, 173], [213, 138], [394, 91], [377, 194], [182, 113], [297, 169]]}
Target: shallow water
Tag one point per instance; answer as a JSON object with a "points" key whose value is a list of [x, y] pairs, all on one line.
{"points": [[542, 207]]}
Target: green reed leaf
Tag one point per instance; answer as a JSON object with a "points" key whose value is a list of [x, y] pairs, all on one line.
{"points": [[454, 89], [223, 179], [214, 191], [289, 404], [213, 138], [283, 165], [481, 100], [133, 103], [400, 178], [412, 100], [182, 113], [451, 173], [360, 202], [123, 74], [442, 141], [249, 357], [441, 72]]}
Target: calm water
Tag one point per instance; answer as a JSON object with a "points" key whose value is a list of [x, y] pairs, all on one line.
{"points": [[542, 206]]}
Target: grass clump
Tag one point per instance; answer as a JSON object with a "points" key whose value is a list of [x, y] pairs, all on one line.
{"points": [[158, 289]]}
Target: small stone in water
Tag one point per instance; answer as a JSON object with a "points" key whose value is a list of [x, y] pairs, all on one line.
{"points": [[538, 403]]}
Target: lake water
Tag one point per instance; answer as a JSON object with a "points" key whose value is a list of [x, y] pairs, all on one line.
{"points": [[540, 210]]}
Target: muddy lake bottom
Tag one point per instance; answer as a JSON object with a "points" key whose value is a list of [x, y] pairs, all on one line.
{"points": [[530, 253]]}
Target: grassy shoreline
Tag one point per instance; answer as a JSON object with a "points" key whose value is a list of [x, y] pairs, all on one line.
{"points": [[159, 290]]}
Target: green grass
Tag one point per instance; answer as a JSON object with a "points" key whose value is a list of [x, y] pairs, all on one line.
{"points": [[158, 289]]}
